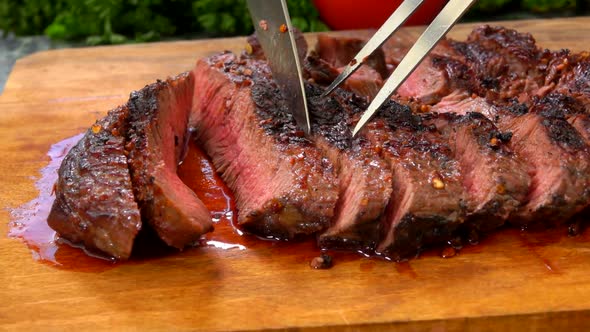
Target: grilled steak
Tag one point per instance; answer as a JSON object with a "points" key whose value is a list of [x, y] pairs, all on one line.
{"points": [[94, 203], [158, 119], [283, 185], [485, 131]]}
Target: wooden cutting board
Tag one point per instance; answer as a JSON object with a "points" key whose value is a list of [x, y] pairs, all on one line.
{"points": [[508, 282]]}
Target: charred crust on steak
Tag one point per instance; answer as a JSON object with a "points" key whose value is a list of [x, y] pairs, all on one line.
{"points": [[517, 108], [557, 105], [273, 113], [564, 134]]}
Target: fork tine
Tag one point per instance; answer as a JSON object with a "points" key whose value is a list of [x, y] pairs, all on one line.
{"points": [[445, 20], [399, 16]]}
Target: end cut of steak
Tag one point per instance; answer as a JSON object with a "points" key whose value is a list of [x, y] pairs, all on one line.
{"points": [[283, 185], [94, 203], [158, 119], [558, 164]]}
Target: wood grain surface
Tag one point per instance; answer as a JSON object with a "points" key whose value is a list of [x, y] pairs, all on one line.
{"points": [[511, 281]]}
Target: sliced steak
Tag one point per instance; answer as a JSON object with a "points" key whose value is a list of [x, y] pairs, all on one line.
{"points": [[283, 185], [507, 66], [94, 203], [559, 165], [364, 178], [427, 205], [158, 117], [554, 152]]}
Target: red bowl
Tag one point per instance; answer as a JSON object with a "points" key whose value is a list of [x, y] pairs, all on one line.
{"points": [[371, 14]]}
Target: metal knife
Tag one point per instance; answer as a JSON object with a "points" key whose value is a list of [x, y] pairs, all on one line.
{"points": [[274, 32]]}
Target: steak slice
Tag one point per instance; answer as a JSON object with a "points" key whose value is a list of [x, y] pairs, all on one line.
{"points": [[94, 203], [427, 205], [364, 178], [495, 181], [283, 185], [158, 118], [559, 165], [505, 62]]}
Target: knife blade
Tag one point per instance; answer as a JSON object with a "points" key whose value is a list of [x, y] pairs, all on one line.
{"points": [[274, 32]]}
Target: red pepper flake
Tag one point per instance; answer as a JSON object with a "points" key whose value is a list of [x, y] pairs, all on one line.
{"points": [[283, 28], [263, 25], [96, 128], [438, 183], [494, 142], [353, 62]]}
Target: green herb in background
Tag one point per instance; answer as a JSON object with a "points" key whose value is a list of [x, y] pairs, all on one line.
{"points": [[27, 17], [491, 5], [119, 21], [545, 6]]}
